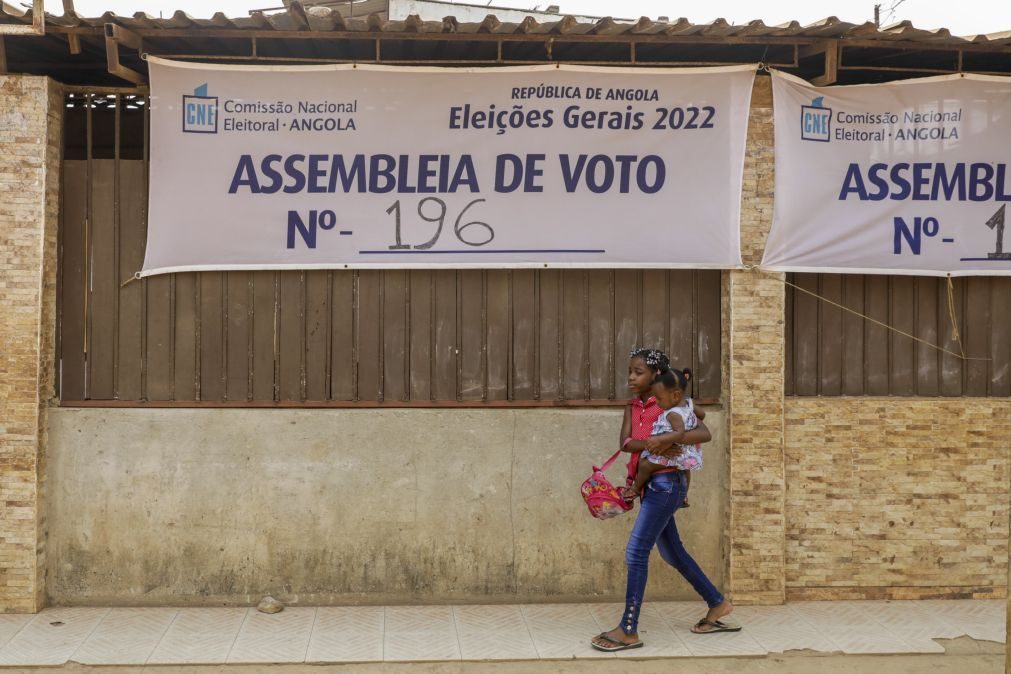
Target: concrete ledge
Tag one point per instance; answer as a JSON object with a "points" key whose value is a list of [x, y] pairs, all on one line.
{"points": [[212, 507]]}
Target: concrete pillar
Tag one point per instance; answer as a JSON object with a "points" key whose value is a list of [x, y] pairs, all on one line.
{"points": [[30, 136], [754, 384]]}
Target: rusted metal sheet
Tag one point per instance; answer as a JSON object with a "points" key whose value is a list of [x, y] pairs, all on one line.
{"points": [[132, 190], [342, 337], [833, 352], [73, 279]]}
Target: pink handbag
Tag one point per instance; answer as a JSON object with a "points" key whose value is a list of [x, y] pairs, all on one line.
{"points": [[602, 498]]}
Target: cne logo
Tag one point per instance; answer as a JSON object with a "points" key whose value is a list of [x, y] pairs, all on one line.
{"points": [[200, 112], [815, 121]]}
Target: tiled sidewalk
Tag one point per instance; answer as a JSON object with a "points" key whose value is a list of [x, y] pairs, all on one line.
{"points": [[134, 636]]}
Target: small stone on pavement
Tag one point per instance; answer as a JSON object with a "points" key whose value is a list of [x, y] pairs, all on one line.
{"points": [[269, 605]]}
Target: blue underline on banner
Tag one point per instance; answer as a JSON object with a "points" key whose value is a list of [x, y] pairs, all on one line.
{"points": [[462, 252], [984, 259]]}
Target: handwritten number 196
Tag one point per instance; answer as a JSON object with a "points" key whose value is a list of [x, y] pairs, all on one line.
{"points": [[439, 218], [391, 209]]}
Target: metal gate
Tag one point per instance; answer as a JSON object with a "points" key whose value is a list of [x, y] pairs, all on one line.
{"points": [[337, 338]]}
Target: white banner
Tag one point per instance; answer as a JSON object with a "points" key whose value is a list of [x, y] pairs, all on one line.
{"points": [[901, 178], [258, 167]]}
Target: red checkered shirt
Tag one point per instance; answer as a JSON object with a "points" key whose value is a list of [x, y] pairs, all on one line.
{"points": [[644, 415]]}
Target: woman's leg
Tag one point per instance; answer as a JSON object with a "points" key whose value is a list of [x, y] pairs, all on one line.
{"points": [[659, 500], [673, 552]]}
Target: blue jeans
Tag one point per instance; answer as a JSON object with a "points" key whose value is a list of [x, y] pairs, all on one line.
{"points": [[655, 525]]}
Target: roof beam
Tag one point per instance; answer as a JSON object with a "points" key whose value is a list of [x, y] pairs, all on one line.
{"points": [[114, 35], [38, 26], [831, 74]]}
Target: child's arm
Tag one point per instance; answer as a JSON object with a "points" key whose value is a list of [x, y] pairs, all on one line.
{"points": [[700, 413], [625, 442], [626, 426], [660, 444]]}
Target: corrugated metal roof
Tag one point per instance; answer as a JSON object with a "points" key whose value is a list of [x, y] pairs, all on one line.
{"points": [[326, 19]]}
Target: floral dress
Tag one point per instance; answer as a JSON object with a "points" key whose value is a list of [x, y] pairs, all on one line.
{"points": [[691, 455]]}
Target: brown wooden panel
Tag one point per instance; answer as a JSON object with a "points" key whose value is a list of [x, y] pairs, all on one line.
{"points": [[422, 337], [104, 268], [472, 323], [976, 331], [73, 285], [291, 336], [574, 334], [707, 364], [342, 336], [876, 351], [951, 366], [626, 328], [830, 344], [498, 335], [657, 306], [212, 335], [369, 338], [902, 355], [805, 335], [186, 327], [926, 329], [444, 383], [266, 313], [262, 337], [525, 327], [317, 337], [160, 356], [239, 348], [853, 336], [602, 355], [132, 218], [1000, 337], [395, 335], [550, 335], [877, 361], [681, 344], [789, 371]]}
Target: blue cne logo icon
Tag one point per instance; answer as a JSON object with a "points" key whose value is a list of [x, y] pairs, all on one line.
{"points": [[815, 121], [200, 112]]}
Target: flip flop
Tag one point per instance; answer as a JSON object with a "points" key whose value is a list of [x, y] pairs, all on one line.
{"points": [[716, 626], [616, 645]]}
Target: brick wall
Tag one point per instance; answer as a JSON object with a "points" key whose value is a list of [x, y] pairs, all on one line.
{"points": [[847, 497], [754, 383], [30, 122], [896, 498]]}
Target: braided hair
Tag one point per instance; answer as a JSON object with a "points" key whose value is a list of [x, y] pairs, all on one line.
{"points": [[655, 359], [675, 378]]}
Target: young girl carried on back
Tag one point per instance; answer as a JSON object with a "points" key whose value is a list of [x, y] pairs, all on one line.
{"points": [[678, 417]]}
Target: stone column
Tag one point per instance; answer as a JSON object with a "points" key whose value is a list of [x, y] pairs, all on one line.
{"points": [[754, 384], [30, 150]]}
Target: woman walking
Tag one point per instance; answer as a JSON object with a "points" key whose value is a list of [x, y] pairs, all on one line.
{"points": [[655, 525]]}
